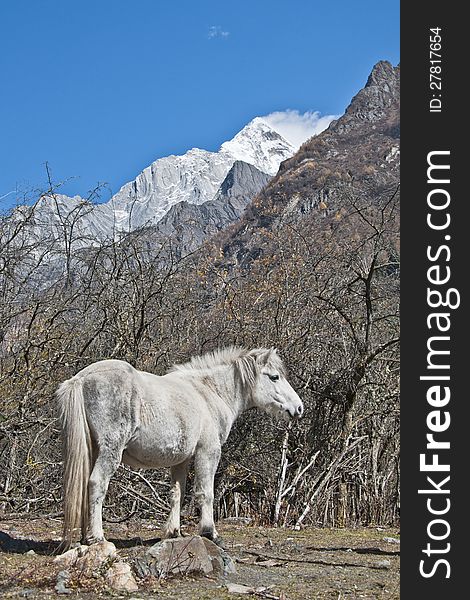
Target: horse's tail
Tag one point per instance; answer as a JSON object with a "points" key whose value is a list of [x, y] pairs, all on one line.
{"points": [[77, 457]]}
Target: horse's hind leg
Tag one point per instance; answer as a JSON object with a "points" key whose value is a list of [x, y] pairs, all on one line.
{"points": [[108, 458], [178, 483]]}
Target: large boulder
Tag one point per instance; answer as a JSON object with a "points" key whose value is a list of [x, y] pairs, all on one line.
{"points": [[99, 559], [88, 559], [183, 556], [119, 577]]}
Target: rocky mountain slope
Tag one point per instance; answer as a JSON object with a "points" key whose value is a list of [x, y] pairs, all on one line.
{"points": [[188, 225], [358, 155], [360, 149]]}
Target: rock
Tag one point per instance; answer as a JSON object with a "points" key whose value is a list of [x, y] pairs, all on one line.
{"points": [[63, 577], [222, 563], [382, 564], [268, 563], [237, 588], [88, 559], [182, 556], [31, 552], [27, 593], [69, 558], [391, 540], [119, 577], [238, 520], [96, 555], [97, 559]]}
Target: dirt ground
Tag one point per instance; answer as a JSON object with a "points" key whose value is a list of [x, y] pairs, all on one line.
{"points": [[312, 563]]}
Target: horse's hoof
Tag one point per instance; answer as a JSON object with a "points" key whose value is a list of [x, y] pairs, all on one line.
{"points": [[176, 533], [208, 533], [89, 541], [213, 537]]}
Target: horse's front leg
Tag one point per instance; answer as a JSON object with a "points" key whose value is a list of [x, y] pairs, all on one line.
{"points": [[178, 482], [205, 466]]}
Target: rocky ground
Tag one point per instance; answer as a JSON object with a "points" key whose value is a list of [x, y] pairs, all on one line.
{"points": [[271, 563]]}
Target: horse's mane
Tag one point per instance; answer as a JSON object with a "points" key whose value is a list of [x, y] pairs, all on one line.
{"points": [[247, 362]]}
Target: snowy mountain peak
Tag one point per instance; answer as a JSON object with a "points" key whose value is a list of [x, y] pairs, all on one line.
{"points": [[259, 145]]}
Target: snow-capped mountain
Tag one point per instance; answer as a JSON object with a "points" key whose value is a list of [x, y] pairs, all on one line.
{"points": [[258, 144], [194, 178]]}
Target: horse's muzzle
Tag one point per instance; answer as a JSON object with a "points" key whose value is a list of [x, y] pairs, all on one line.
{"points": [[297, 412]]}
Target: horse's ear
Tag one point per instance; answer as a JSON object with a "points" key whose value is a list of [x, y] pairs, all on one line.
{"points": [[265, 356], [272, 353]]}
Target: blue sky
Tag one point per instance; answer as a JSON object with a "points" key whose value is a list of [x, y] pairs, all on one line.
{"points": [[100, 89]]}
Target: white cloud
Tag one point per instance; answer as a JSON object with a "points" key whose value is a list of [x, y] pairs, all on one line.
{"points": [[296, 127], [216, 31]]}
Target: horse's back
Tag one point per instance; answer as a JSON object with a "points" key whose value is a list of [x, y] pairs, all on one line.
{"points": [[111, 365]]}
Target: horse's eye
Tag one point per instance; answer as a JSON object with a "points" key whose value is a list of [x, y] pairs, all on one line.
{"points": [[274, 377]]}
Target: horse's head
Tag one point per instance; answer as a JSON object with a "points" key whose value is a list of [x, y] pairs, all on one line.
{"points": [[271, 391]]}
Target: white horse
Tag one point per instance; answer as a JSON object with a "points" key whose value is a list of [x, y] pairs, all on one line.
{"points": [[113, 413]]}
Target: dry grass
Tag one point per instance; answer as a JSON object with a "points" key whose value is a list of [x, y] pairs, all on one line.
{"points": [[310, 564]]}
